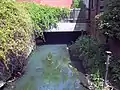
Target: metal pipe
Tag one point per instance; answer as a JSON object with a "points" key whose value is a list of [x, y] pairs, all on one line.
{"points": [[107, 67]]}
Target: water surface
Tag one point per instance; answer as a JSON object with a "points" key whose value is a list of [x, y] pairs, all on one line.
{"points": [[49, 69]]}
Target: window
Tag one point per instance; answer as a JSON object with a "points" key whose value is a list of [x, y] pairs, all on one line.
{"points": [[101, 7]]}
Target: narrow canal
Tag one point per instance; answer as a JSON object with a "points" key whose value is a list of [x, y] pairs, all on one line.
{"points": [[49, 69]]}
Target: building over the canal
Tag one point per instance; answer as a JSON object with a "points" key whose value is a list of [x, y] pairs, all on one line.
{"points": [[56, 3]]}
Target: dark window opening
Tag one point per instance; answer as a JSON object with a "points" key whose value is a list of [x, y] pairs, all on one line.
{"points": [[101, 7]]}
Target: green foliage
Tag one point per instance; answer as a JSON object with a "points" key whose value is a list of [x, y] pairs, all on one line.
{"points": [[114, 71], [76, 3], [92, 53], [15, 29], [17, 24], [97, 80], [109, 21], [89, 50], [45, 16]]}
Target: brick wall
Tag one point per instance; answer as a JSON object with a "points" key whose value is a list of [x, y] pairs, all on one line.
{"points": [[56, 3], [29, 1]]}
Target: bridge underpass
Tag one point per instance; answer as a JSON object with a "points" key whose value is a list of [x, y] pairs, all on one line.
{"points": [[65, 33]]}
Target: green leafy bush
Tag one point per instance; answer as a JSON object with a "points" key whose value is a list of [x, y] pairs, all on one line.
{"points": [[76, 3], [109, 21], [93, 56], [15, 35], [114, 71], [90, 51], [17, 24], [44, 16]]}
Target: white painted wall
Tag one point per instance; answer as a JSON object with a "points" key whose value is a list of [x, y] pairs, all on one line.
{"points": [[68, 27]]}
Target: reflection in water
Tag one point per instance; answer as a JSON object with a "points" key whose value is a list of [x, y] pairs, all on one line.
{"points": [[49, 69]]}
